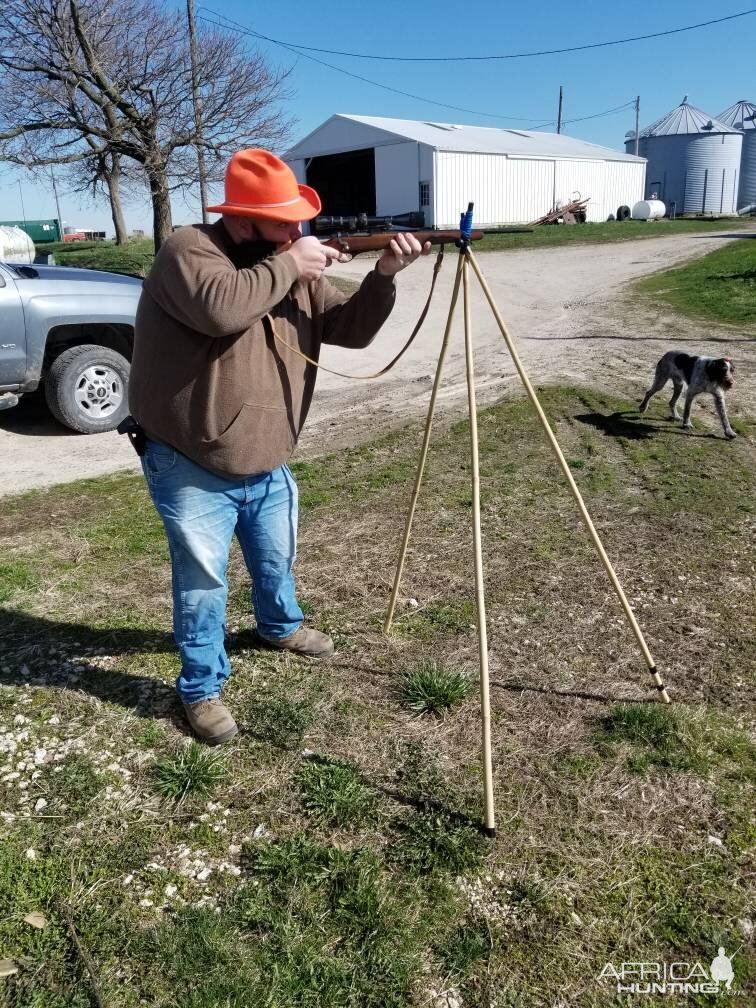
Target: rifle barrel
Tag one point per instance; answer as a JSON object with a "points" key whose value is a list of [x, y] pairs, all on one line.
{"points": [[354, 244]]}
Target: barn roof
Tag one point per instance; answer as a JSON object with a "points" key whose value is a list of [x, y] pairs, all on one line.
{"points": [[472, 139]]}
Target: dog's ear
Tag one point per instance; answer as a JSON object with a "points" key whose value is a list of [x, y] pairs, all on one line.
{"points": [[729, 361]]}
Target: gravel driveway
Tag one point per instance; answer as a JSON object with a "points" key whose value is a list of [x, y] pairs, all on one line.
{"points": [[568, 309]]}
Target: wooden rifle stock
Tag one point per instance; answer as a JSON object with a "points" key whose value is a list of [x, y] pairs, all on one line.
{"points": [[354, 244]]}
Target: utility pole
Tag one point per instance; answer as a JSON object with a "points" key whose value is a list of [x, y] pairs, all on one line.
{"points": [[637, 123], [559, 116], [21, 196], [197, 102], [57, 204]]}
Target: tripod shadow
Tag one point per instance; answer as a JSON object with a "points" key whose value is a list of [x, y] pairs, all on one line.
{"points": [[517, 687], [421, 803], [616, 425]]}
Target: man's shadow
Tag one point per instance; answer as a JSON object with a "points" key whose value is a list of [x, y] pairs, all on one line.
{"points": [[39, 651]]}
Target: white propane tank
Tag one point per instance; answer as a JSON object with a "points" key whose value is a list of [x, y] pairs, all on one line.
{"points": [[16, 245], [648, 209]]}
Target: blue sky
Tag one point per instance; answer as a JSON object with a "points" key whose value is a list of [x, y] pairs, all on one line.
{"points": [[714, 66]]}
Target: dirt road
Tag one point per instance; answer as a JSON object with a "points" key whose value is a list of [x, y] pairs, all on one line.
{"points": [[568, 309]]}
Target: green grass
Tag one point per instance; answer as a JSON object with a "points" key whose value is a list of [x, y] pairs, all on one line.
{"points": [[332, 792], [15, 577], [609, 231], [335, 858], [670, 736], [71, 786], [719, 287], [279, 720], [195, 770], [432, 688]]}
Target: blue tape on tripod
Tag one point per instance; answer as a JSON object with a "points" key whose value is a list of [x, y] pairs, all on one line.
{"points": [[466, 223]]}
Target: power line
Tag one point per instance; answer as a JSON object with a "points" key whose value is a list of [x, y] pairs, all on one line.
{"points": [[595, 115], [505, 56], [229, 23]]}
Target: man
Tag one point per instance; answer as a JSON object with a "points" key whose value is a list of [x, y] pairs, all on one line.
{"points": [[222, 403]]}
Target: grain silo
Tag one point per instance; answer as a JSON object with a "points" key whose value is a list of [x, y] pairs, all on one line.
{"points": [[693, 161], [742, 116]]}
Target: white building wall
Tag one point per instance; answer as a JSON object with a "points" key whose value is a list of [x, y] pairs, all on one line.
{"points": [[530, 186], [510, 190], [396, 179], [625, 184], [461, 178], [579, 179]]}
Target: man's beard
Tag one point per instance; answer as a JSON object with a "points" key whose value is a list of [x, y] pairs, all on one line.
{"points": [[250, 253]]}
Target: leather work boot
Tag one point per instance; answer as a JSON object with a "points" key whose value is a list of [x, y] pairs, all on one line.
{"points": [[304, 641], [211, 720]]}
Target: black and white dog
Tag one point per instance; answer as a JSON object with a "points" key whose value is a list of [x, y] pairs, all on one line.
{"points": [[700, 374]]}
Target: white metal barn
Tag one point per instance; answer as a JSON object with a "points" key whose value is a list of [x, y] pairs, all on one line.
{"points": [[381, 167]]}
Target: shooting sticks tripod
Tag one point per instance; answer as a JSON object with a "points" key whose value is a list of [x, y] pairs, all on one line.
{"points": [[465, 262]]}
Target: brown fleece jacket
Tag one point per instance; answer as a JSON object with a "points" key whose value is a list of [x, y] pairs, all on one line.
{"points": [[207, 375]]}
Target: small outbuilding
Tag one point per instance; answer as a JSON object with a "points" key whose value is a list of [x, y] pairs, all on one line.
{"points": [[384, 167]]}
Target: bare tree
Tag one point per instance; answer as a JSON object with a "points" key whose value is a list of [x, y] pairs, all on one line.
{"points": [[84, 79], [104, 173]]}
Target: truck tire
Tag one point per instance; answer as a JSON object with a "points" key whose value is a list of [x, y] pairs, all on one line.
{"points": [[86, 388]]}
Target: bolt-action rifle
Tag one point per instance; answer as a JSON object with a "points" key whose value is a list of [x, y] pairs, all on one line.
{"points": [[351, 244]]}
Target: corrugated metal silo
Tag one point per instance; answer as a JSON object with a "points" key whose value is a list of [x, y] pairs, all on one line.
{"points": [[693, 161], [742, 116]]}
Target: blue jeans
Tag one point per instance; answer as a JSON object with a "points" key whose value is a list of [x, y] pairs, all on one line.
{"points": [[201, 512]]}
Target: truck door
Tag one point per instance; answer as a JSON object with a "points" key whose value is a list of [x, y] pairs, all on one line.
{"points": [[12, 334]]}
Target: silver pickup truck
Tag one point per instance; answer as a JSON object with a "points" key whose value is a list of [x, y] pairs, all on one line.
{"points": [[71, 330]]}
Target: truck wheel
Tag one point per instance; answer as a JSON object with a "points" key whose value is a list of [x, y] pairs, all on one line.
{"points": [[86, 388]]}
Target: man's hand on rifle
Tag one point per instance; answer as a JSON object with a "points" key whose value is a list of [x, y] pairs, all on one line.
{"points": [[401, 252], [313, 258]]}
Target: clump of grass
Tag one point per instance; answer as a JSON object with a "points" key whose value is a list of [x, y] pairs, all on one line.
{"points": [[194, 770], [432, 688], [433, 842], [423, 782], [279, 720], [671, 736], [151, 734], [450, 617], [75, 784], [466, 944], [332, 925], [333, 793], [16, 577]]}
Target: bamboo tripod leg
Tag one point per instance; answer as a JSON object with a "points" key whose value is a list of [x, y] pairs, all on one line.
{"points": [[424, 451], [485, 706], [573, 486]]}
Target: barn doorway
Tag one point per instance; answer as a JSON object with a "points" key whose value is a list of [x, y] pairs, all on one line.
{"points": [[345, 182]]}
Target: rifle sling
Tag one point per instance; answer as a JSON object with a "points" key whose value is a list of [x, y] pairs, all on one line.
{"points": [[407, 345]]}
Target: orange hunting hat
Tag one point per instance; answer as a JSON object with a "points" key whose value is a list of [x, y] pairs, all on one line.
{"points": [[258, 184]]}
